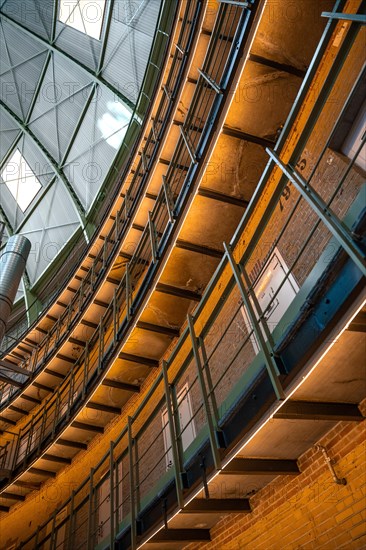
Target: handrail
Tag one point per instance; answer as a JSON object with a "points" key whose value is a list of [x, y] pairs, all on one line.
{"points": [[156, 51], [106, 255], [60, 407], [195, 352]]}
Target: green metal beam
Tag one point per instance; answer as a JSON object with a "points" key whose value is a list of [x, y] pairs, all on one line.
{"points": [[94, 76], [354, 17], [56, 168]]}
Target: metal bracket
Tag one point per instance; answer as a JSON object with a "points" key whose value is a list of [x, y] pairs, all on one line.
{"points": [[329, 462]]}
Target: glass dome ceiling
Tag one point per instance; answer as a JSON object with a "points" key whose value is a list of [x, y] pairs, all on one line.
{"points": [[71, 72]]}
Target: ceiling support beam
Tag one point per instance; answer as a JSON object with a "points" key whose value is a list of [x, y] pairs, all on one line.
{"points": [[307, 410], [358, 324], [116, 384], [87, 427], [77, 342], [261, 466], [159, 329], [13, 496], [103, 408], [65, 358], [146, 361], [238, 134], [54, 373], [217, 506], [181, 535], [7, 420], [290, 69], [41, 472], [42, 387], [72, 444], [8, 380], [199, 249], [12, 367], [31, 399], [89, 324], [100, 303], [54, 458], [18, 409], [178, 292], [221, 197]]}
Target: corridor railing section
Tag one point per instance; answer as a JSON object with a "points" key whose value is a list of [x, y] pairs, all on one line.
{"points": [[242, 330], [151, 77], [107, 253], [59, 409]]}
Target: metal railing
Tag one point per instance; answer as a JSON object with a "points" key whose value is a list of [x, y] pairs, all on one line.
{"points": [[89, 285], [59, 409], [234, 342], [143, 103]]}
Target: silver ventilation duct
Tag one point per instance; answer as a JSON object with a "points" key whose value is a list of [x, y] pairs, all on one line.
{"points": [[12, 265]]}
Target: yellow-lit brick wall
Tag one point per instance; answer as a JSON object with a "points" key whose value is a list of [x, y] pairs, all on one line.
{"points": [[309, 511]]}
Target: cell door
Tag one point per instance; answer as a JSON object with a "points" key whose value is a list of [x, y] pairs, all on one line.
{"points": [[104, 505], [187, 425], [57, 542], [265, 289]]}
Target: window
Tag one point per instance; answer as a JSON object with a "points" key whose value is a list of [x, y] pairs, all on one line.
{"points": [[20, 180], [187, 426], [266, 287], [83, 15], [353, 141], [113, 123]]}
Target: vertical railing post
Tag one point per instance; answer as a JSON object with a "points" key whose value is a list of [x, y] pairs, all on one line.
{"points": [[168, 199], [112, 494], [178, 428], [71, 522], [104, 257], [137, 477], [201, 381], [42, 430], [153, 130], [101, 344], [81, 295], [114, 313], [173, 438], [152, 232], [57, 406], [116, 226], [211, 391], [271, 364], [71, 391], [86, 364], [36, 539], [117, 503], [30, 435], [132, 486], [127, 205], [53, 531], [128, 292], [90, 537]]}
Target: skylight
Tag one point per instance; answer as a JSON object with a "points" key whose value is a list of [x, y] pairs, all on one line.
{"points": [[113, 124], [84, 15], [20, 180]]}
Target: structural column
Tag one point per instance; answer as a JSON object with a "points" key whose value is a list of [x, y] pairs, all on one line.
{"points": [[12, 265]]}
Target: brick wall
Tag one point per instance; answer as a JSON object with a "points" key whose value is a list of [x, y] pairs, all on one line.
{"points": [[309, 511]]}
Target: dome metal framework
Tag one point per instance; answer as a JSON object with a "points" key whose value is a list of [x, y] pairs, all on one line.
{"points": [[71, 73]]}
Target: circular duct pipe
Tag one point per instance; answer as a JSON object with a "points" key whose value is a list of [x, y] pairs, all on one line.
{"points": [[12, 265]]}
